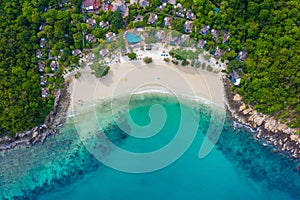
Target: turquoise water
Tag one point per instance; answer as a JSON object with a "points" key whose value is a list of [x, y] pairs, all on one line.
{"points": [[132, 39], [237, 168]]}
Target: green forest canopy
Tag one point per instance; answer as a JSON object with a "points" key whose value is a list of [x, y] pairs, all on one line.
{"points": [[267, 29], [21, 104]]}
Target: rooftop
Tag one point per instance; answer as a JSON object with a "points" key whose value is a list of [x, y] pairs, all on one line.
{"points": [[90, 38], [243, 55], [190, 15], [225, 37], [144, 3], [215, 34], [152, 18], [76, 52], [41, 66], [218, 52], [91, 21], [103, 24], [161, 35], [205, 30], [168, 21], [188, 26], [201, 44], [104, 52]]}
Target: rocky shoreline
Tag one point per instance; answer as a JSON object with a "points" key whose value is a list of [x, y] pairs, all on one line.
{"points": [[267, 130], [53, 121]]}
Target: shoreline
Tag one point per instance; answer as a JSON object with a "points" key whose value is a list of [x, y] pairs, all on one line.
{"points": [[128, 78], [265, 129], [185, 98], [54, 120]]}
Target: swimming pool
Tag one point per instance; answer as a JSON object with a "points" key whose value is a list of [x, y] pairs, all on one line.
{"points": [[133, 39]]}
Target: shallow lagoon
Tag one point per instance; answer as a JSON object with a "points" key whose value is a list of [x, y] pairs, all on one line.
{"points": [[238, 167]]}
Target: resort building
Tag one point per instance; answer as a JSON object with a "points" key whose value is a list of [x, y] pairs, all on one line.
{"points": [[160, 36], [225, 38], [161, 7], [218, 53], [63, 2], [152, 19], [138, 18], [103, 24], [89, 57], [60, 53], [235, 77], [90, 38], [43, 43], [104, 53], [190, 15], [44, 92], [168, 22], [41, 66], [91, 22], [215, 35], [39, 54], [91, 5], [43, 80], [76, 52], [144, 3], [201, 44], [173, 39], [43, 24], [188, 26], [217, 10], [110, 36], [242, 56], [205, 30], [179, 10], [54, 65], [120, 7], [184, 40], [173, 2]]}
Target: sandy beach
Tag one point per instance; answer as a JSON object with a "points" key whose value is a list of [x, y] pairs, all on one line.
{"points": [[136, 76]]}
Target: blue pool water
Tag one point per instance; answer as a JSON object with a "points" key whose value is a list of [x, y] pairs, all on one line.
{"points": [[132, 39], [237, 168]]}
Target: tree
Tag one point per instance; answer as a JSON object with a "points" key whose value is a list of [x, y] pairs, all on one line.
{"points": [[185, 63], [148, 60], [100, 70], [116, 20], [132, 56]]}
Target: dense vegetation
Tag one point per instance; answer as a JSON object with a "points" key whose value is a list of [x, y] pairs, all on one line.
{"points": [[268, 30], [21, 104]]}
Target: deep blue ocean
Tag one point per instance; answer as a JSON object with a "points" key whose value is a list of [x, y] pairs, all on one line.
{"points": [[238, 167]]}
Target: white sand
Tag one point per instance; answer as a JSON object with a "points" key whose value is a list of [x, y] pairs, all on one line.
{"points": [[129, 77]]}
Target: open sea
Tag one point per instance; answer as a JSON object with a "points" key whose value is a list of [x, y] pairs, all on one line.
{"points": [[67, 165]]}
